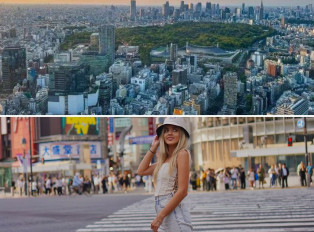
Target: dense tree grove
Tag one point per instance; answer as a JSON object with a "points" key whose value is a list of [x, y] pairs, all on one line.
{"points": [[229, 36]]}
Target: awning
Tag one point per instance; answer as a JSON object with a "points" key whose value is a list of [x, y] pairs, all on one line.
{"points": [[54, 167], [296, 149]]}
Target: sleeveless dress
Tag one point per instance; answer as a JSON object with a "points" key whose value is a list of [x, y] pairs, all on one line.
{"points": [[179, 220]]}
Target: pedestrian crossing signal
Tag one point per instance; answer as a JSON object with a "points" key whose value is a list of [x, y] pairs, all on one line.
{"points": [[290, 142]]}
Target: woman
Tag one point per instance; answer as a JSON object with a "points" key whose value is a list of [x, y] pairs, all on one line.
{"points": [[221, 183], [251, 177], [261, 176], [302, 173], [170, 175]]}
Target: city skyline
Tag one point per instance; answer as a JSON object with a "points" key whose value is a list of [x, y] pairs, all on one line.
{"points": [[159, 2]]}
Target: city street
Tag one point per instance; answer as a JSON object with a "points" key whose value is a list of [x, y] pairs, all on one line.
{"points": [[259, 210]]}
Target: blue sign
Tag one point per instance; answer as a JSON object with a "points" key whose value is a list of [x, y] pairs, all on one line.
{"points": [[300, 123], [142, 139], [111, 125]]}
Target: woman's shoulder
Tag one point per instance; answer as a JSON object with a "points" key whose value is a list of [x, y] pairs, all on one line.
{"points": [[184, 153]]}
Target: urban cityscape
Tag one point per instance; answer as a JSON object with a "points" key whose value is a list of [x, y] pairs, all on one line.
{"points": [[42, 158], [195, 58]]}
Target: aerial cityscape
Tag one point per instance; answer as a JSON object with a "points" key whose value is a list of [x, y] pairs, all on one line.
{"points": [[198, 58]]}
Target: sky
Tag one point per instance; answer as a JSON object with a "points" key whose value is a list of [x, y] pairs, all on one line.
{"points": [[160, 2]]}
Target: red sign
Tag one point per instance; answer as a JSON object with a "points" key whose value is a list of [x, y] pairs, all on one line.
{"points": [[151, 126]]}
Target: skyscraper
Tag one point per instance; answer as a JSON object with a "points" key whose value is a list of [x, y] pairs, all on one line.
{"points": [[165, 9], [13, 67], [133, 10], [261, 12], [107, 42], [231, 89], [173, 51]]}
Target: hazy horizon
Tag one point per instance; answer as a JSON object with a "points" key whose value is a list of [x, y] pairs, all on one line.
{"points": [[285, 3]]}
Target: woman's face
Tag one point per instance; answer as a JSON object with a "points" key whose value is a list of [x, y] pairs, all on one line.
{"points": [[171, 134]]}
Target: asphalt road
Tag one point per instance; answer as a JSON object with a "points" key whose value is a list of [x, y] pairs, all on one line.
{"points": [[58, 214]]}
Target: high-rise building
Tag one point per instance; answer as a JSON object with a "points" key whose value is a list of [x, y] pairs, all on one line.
{"points": [[182, 6], [165, 9], [251, 12], [13, 67], [133, 10], [67, 78], [231, 88], [179, 76], [173, 51], [261, 12], [243, 8], [107, 42], [208, 8]]}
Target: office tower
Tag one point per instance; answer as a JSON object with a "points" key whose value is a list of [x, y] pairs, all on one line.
{"points": [[251, 12], [105, 94], [208, 8], [165, 9], [261, 12], [243, 8], [173, 51], [13, 67], [231, 88], [179, 76], [133, 10], [67, 78], [282, 21], [182, 6], [238, 12], [107, 42], [191, 7], [198, 7]]}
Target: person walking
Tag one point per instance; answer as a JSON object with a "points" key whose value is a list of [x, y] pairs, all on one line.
{"points": [[220, 179], [302, 174], [242, 177], [234, 177], [171, 176], [59, 185], [251, 177], [261, 176], [309, 170], [284, 175], [279, 174], [227, 179], [104, 185]]}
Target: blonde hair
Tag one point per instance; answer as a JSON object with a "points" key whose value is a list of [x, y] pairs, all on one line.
{"points": [[164, 153]]}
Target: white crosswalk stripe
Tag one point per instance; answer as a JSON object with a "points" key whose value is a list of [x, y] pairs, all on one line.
{"points": [[263, 211]]}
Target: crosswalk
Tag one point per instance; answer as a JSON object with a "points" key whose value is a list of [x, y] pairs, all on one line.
{"points": [[257, 210]]}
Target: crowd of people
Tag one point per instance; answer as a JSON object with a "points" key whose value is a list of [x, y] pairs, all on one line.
{"points": [[53, 185], [236, 177]]}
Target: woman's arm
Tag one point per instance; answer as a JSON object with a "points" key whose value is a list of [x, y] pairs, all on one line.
{"points": [[183, 162], [145, 169]]}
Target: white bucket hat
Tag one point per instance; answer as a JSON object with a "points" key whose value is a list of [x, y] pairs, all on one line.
{"points": [[176, 121]]}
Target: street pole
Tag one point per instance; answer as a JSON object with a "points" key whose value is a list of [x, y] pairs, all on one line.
{"points": [[305, 141], [30, 149], [25, 173]]}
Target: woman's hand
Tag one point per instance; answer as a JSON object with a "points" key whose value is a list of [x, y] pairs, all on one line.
{"points": [[156, 223], [155, 144]]}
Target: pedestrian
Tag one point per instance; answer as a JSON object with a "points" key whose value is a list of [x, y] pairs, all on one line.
{"points": [[251, 177], [302, 174], [77, 184], [171, 176], [193, 180], [34, 188], [284, 175], [261, 176], [272, 176], [279, 174], [309, 170], [104, 185], [48, 186], [21, 185], [203, 179], [96, 183], [59, 186], [227, 179], [242, 177], [208, 183], [234, 177], [70, 182], [138, 179], [220, 179]]}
